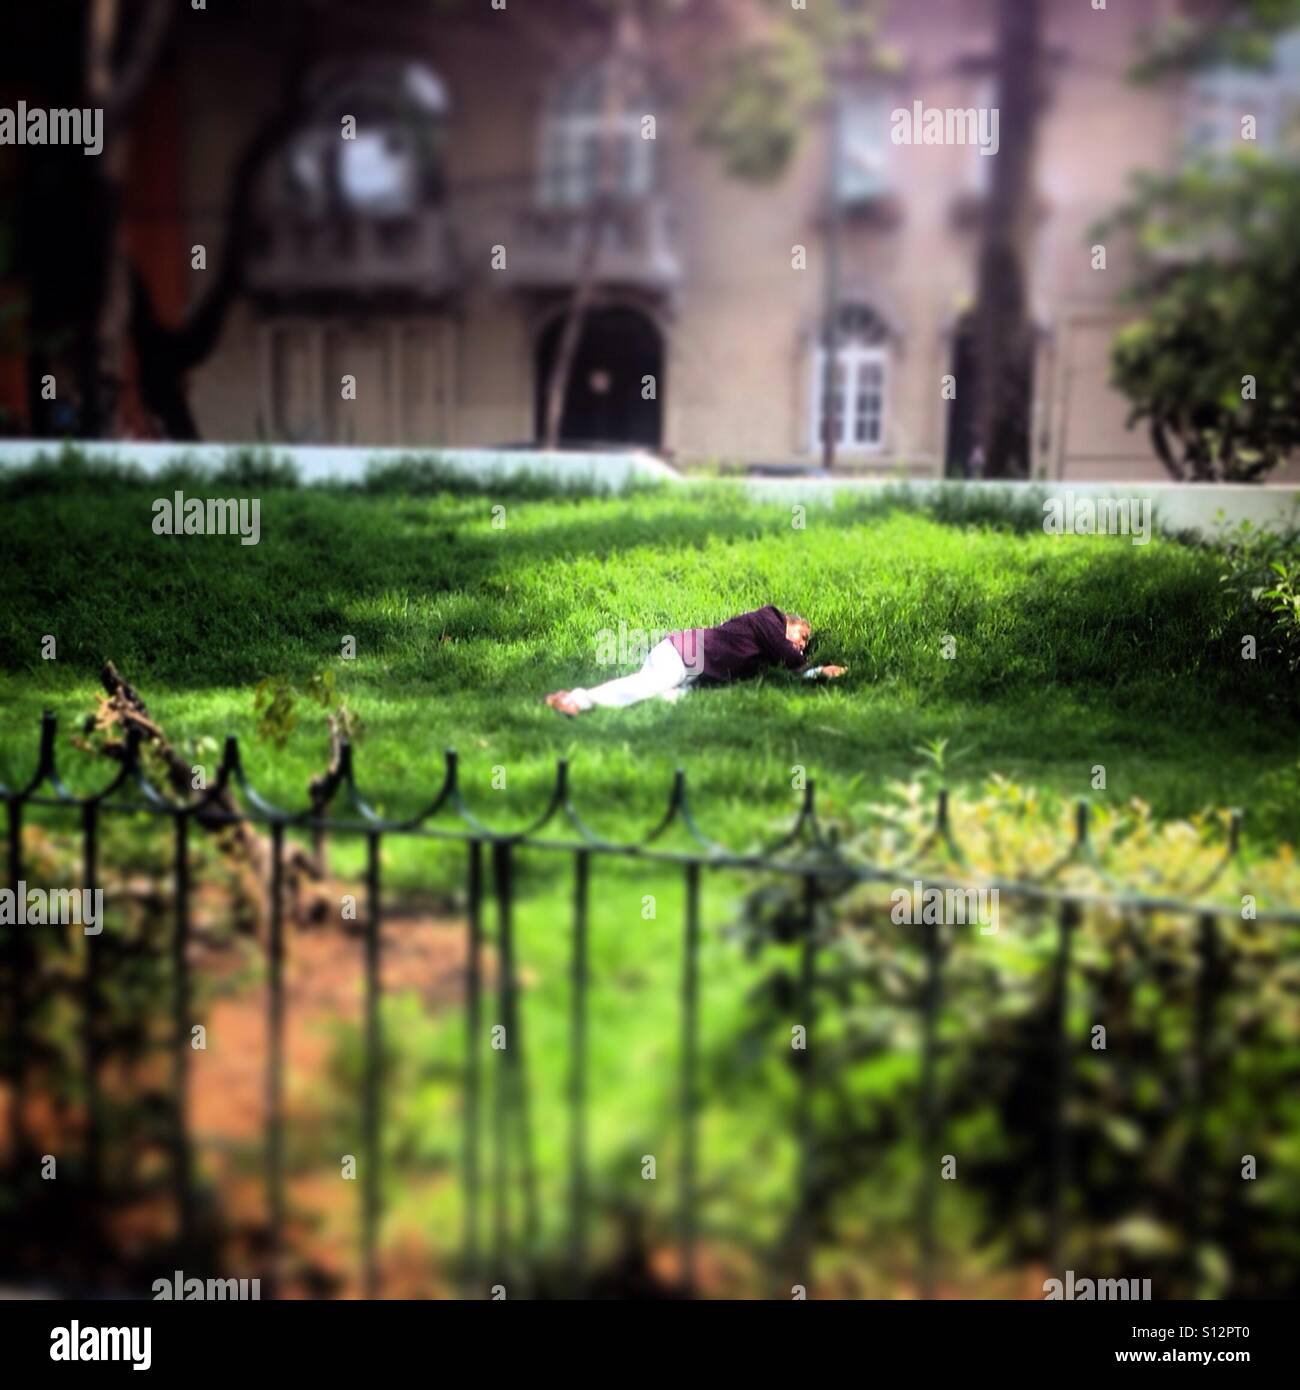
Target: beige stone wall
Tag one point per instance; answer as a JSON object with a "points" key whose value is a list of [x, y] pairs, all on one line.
{"points": [[741, 326]]}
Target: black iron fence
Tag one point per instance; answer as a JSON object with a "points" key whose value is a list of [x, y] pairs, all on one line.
{"points": [[500, 1187]]}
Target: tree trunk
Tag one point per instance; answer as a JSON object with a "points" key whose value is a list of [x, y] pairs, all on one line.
{"points": [[115, 88], [624, 43], [584, 291], [1160, 443], [165, 355], [1004, 331]]}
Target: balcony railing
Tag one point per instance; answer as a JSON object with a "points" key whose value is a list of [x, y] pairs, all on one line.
{"points": [[353, 254], [549, 245]]}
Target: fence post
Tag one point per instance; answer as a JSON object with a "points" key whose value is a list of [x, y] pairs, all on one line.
{"points": [[578, 1078], [807, 1081], [473, 1025], [90, 1001], [370, 1188], [501, 1252], [1202, 1047], [930, 1117], [512, 1097], [275, 1062], [182, 1176], [1059, 1173], [18, 968], [690, 1047]]}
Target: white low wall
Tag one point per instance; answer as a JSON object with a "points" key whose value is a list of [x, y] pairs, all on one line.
{"points": [[1174, 506], [321, 463]]}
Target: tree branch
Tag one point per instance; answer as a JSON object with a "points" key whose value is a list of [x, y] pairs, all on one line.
{"points": [[150, 36]]}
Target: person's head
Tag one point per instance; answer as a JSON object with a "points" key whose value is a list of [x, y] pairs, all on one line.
{"points": [[797, 630]]}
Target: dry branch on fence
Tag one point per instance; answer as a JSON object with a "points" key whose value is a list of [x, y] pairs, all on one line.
{"points": [[122, 715]]}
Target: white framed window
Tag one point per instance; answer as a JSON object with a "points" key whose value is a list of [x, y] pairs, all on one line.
{"points": [[859, 384], [863, 169], [575, 123]]}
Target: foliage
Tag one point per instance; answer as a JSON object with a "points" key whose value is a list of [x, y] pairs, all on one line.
{"points": [[1262, 574], [755, 111], [1213, 362], [276, 701], [428, 475], [254, 468], [1135, 1154], [411, 475], [1243, 36]]}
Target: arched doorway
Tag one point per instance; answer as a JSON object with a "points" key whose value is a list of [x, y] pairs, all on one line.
{"points": [[606, 400]]}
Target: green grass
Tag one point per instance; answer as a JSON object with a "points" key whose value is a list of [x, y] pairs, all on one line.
{"points": [[1070, 651]]}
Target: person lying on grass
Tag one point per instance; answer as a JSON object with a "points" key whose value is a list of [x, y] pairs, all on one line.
{"points": [[742, 646]]}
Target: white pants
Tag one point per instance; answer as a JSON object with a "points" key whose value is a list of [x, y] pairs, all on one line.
{"points": [[663, 673]]}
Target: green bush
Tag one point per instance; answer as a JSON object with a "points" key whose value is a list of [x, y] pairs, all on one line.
{"points": [[1262, 577], [1154, 1159]]}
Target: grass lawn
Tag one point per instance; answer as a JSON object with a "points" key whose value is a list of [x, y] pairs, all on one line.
{"points": [[1070, 652]]}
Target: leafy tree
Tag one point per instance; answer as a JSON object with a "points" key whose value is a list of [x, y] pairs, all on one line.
{"points": [[1243, 34], [1213, 365]]}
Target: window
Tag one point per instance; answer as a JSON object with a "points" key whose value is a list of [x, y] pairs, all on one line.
{"points": [[393, 166], [858, 385], [862, 166], [1218, 101], [575, 124], [977, 178]]}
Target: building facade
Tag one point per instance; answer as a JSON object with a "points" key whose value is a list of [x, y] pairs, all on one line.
{"points": [[412, 275]]}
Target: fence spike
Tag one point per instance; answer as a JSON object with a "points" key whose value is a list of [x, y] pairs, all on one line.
{"points": [[678, 796], [231, 758], [132, 760], [1081, 822], [345, 776], [562, 779], [46, 768], [941, 811], [45, 760], [452, 761], [1234, 830]]}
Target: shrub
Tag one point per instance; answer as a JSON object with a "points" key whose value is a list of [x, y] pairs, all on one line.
{"points": [[1136, 1122], [1262, 577]]}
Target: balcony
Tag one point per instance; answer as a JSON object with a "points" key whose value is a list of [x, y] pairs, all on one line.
{"points": [[353, 254], [547, 246]]}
